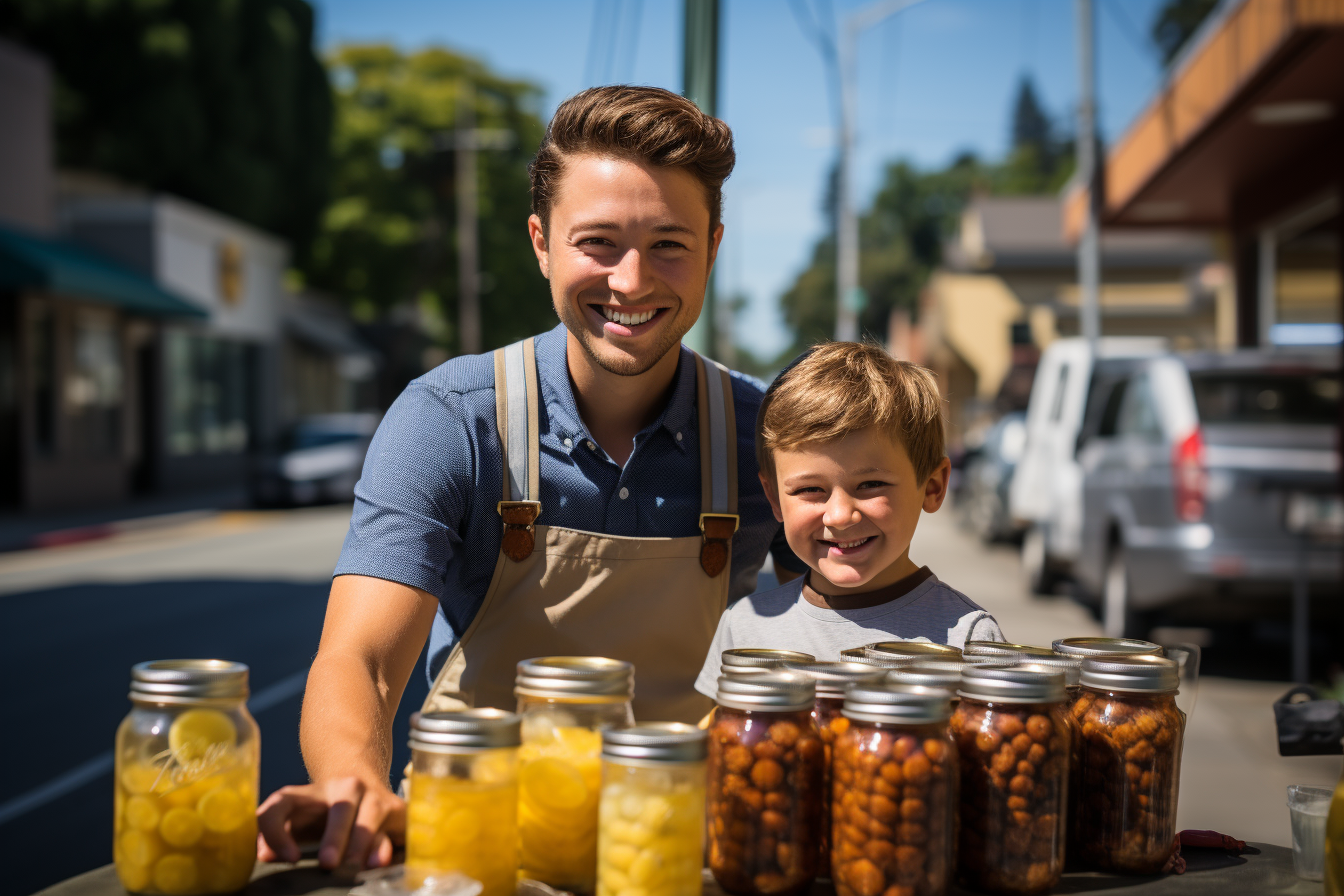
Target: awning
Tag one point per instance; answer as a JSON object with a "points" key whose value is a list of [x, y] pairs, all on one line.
{"points": [[28, 261]]}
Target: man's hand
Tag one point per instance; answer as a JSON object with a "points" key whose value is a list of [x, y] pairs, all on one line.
{"points": [[357, 823]]}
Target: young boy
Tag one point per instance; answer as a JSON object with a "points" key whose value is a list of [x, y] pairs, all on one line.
{"points": [[850, 445]]}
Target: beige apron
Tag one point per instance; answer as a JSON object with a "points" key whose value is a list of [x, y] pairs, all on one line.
{"points": [[653, 601]]}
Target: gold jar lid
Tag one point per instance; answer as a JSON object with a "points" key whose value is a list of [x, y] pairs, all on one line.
{"points": [[760, 658], [1106, 647], [188, 681], [1006, 649], [833, 678]]}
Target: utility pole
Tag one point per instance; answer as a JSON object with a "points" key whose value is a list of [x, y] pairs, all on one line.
{"points": [[849, 297], [1089, 244], [466, 140], [700, 85]]}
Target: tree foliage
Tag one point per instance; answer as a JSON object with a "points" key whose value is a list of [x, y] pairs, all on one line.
{"points": [[220, 101], [387, 240], [1176, 22]]}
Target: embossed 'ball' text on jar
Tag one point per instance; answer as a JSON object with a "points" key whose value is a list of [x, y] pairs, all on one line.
{"points": [[1013, 736], [462, 810], [1122, 815], [187, 758], [565, 703], [765, 774]]}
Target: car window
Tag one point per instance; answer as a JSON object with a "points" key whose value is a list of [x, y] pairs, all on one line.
{"points": [[1264, 397], [1111, 415], [1137, 415], [1057, 407]]}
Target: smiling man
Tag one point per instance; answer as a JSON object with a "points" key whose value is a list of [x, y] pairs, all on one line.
{"points": [[591, 491]]}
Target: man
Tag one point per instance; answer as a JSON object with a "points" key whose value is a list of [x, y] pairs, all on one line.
{"points": [[490, 475]]}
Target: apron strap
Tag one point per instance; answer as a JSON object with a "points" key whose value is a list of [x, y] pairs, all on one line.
{"points": [[517, 419], [718, 464]]}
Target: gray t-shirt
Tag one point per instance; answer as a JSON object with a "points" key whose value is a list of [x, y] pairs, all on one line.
{"points": [[783, 619]]}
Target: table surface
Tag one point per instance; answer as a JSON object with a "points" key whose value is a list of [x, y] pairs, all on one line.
{"points": [[1262, 870]]}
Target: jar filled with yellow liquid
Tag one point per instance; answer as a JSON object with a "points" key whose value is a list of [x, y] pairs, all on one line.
{"points": [[651, 837], [187, 758], [566, 702], [462, 807]]}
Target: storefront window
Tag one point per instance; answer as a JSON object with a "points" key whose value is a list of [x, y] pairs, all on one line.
{"points": [[42, 376], [208, 394], [92, 388]]}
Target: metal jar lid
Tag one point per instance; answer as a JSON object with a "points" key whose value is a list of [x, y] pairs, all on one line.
{"points": [[1130, 673], [833, 678], [945, 675], [770, 692], [466, 729], [188, 681], [575, 677], [1105, 647], [656, 742], [913, 704], [859, 655], [1015, 683], [761, 658], [911, 651], [1005, 649]]}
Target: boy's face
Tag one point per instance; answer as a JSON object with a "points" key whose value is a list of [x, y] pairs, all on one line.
{"points": [[627, 241], [850, 507]]}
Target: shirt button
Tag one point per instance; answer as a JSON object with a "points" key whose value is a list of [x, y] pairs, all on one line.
{"points": [[568, 443], [678, 437], [591, 446], [624, 493]]}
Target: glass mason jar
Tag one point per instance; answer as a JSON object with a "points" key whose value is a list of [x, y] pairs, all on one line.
{"points": [[652, 834], [765, 799], [832, 679], [187, 758], [565, 703], [1123, 811], [1013, 736], [893, 809], [462, 805]]}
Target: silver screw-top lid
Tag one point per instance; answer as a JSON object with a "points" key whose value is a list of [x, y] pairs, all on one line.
{"points": [[946, 675], [833, 678], [1015, 683], [1130, 673], [656, 742], [188, 681], [761, 658], [1005, 649], [897, 703], [859, 655], [911, 651], [1106, 647], [575, 677], [771, 692], [466, 729]]}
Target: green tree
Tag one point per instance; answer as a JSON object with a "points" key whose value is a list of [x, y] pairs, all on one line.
{"points": [[387, 239], [1176, 22], [221, 101]]}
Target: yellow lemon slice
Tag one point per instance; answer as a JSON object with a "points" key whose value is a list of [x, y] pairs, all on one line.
{"points": [[139, 847], [181, 827], [222, 810], [135, 878], [141, 813], [175, 874], [139, 778], [463, 826], [579, 741], [554, 784], [197, 730]]}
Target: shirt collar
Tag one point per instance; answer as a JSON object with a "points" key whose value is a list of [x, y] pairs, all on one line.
{"points": [[562, 411]]}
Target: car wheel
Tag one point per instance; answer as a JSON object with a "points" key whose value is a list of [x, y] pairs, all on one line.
{"points": [[1035, 562], [1118, 618]]}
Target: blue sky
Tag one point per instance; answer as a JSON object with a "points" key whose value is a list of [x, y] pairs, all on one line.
{"points": [[934, 80]]}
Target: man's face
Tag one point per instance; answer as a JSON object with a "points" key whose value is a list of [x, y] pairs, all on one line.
{"points": [[850, 506], [628, 255]]}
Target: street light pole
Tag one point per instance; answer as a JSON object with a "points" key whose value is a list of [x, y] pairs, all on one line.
{"points": [[700, 85], [1089, 244], [849, 299]]}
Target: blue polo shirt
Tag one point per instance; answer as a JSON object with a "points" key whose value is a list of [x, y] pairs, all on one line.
{"points": [[425, 507]]}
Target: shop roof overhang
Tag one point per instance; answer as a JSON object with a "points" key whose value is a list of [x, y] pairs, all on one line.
{"points": [[28, 261], [1250, 122]]}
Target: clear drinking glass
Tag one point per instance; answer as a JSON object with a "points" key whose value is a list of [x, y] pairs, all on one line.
{"points": [[1308, 808]]}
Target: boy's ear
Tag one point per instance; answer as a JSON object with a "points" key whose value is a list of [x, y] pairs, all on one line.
{"points": [[935, 488], [771, 495]]}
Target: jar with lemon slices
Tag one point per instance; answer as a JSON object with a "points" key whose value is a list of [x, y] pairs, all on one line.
{"points": [[565, 703], [462, 812], [652, 837], [185, 801]]}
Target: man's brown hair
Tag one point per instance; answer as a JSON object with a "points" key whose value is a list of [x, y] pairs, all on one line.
{"points": [[839, 388], [648, 124]]}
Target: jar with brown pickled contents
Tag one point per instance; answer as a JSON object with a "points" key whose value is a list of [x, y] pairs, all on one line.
{"points": [[765, 780], [1013, 737], [832, 680], [1123, 814], [893, 812]]}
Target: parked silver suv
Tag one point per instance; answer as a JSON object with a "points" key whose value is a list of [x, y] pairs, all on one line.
{"points": [[1206, 479]]}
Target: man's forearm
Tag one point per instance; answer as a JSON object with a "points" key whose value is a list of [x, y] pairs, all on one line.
{"points": [[346, 727]]}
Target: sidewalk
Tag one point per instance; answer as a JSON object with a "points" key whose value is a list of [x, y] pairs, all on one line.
{"points": [[21, 530]]}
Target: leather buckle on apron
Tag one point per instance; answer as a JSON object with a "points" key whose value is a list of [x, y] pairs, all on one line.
{"points": [[519, 534], [717, 530]]}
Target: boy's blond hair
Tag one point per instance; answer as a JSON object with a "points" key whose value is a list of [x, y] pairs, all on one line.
{"points": [[839, 388]]}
